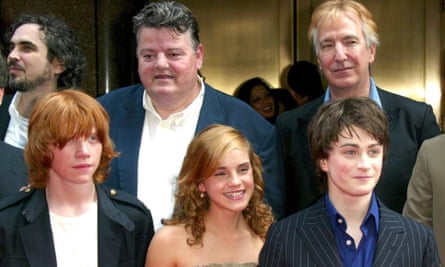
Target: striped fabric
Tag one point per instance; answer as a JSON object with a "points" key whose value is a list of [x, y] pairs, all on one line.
{"points": [[306, 239]]}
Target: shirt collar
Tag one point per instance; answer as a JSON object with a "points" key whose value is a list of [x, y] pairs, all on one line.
{"points": [[373, 93], [177, 118], [373, 211]]}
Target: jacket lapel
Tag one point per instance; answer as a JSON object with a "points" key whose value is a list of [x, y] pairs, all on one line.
{"points": [[129, 139], [37, 236], [391, 235], [318, 236], [111, 221], [390, 107], [211, 109]]}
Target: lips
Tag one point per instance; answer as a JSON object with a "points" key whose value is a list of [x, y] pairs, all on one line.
{"points": [[236, 195], [162, 77], [82, 166]]}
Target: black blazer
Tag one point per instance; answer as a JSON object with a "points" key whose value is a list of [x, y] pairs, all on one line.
{"points": [[306, 239], [410, 122], [4, 114], [125, 229], [13, 170]]}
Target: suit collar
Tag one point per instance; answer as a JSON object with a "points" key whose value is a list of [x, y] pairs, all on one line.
{"points": [[391, 235], [212, 109], [37, 235], [316, 230]]}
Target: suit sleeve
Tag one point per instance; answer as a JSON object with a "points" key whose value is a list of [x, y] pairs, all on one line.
{"points": [[430, 127], [419, 201], [274, 184]]}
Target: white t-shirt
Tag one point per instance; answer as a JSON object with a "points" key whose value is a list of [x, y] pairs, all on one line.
{"points": [[17, 132], [75, 239]]}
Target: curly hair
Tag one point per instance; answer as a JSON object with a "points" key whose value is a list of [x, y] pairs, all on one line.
{"points": [[58, 117], [63, 44], [169, 14], [202, 158]]}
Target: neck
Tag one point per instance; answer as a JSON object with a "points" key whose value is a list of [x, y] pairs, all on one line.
{"points": [[221, 222], [72, 201], [354, 209], [168, 104], [28, 99], [362, 89]]}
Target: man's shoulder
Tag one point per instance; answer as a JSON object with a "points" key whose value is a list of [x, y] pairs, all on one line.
{"points": [[393, 99], [224, 98], [121, 93], [308, 217], [394, 219], [13, 201], [123, 199], [298, 118], [307, 111]]}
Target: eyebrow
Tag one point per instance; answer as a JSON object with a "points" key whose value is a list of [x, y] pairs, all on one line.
{"points": [[355, 145], [22, 43]]}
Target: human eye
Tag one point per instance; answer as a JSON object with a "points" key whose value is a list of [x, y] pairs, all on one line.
{"points": [[326, 46], [351, 41], [147, 56], [374, 152], [220, 173], [349, 152], [93, 138], [244, 168], [174, 54]]}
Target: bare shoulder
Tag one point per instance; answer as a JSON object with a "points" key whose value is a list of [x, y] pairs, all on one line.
{"points": [[167, 246]]}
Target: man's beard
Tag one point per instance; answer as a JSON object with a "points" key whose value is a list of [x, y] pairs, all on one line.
{"points": [[25, 85]]}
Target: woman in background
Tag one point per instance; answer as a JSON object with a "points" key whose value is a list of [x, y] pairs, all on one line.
{"points": [[258, 94]]}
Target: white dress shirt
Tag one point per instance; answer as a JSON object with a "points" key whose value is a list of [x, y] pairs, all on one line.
{"points": [[163, 147]]}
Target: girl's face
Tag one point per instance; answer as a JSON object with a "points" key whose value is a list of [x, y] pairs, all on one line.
{"points": [[231, 186]]}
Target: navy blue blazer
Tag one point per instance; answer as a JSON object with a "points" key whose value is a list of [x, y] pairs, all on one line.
{"points": [[127, 118], [410, 122], [125, 229], [307, 239], [13, 170]]}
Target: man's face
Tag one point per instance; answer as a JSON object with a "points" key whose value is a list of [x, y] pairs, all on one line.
{"points": [[167, 63], [27, 60], [354, 165], [343, 56]]}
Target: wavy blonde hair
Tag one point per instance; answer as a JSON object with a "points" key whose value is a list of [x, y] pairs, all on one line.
{"points": [[57, 118], [201, 161]]}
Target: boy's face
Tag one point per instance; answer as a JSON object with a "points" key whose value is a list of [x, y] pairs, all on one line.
{"points": [[354, 165]]}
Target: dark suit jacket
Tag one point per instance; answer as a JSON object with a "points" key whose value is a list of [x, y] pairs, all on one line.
{"points": [[13, 170], [410, 123], [307, 239], [4, 114], [127, 118], [125, 229]]}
